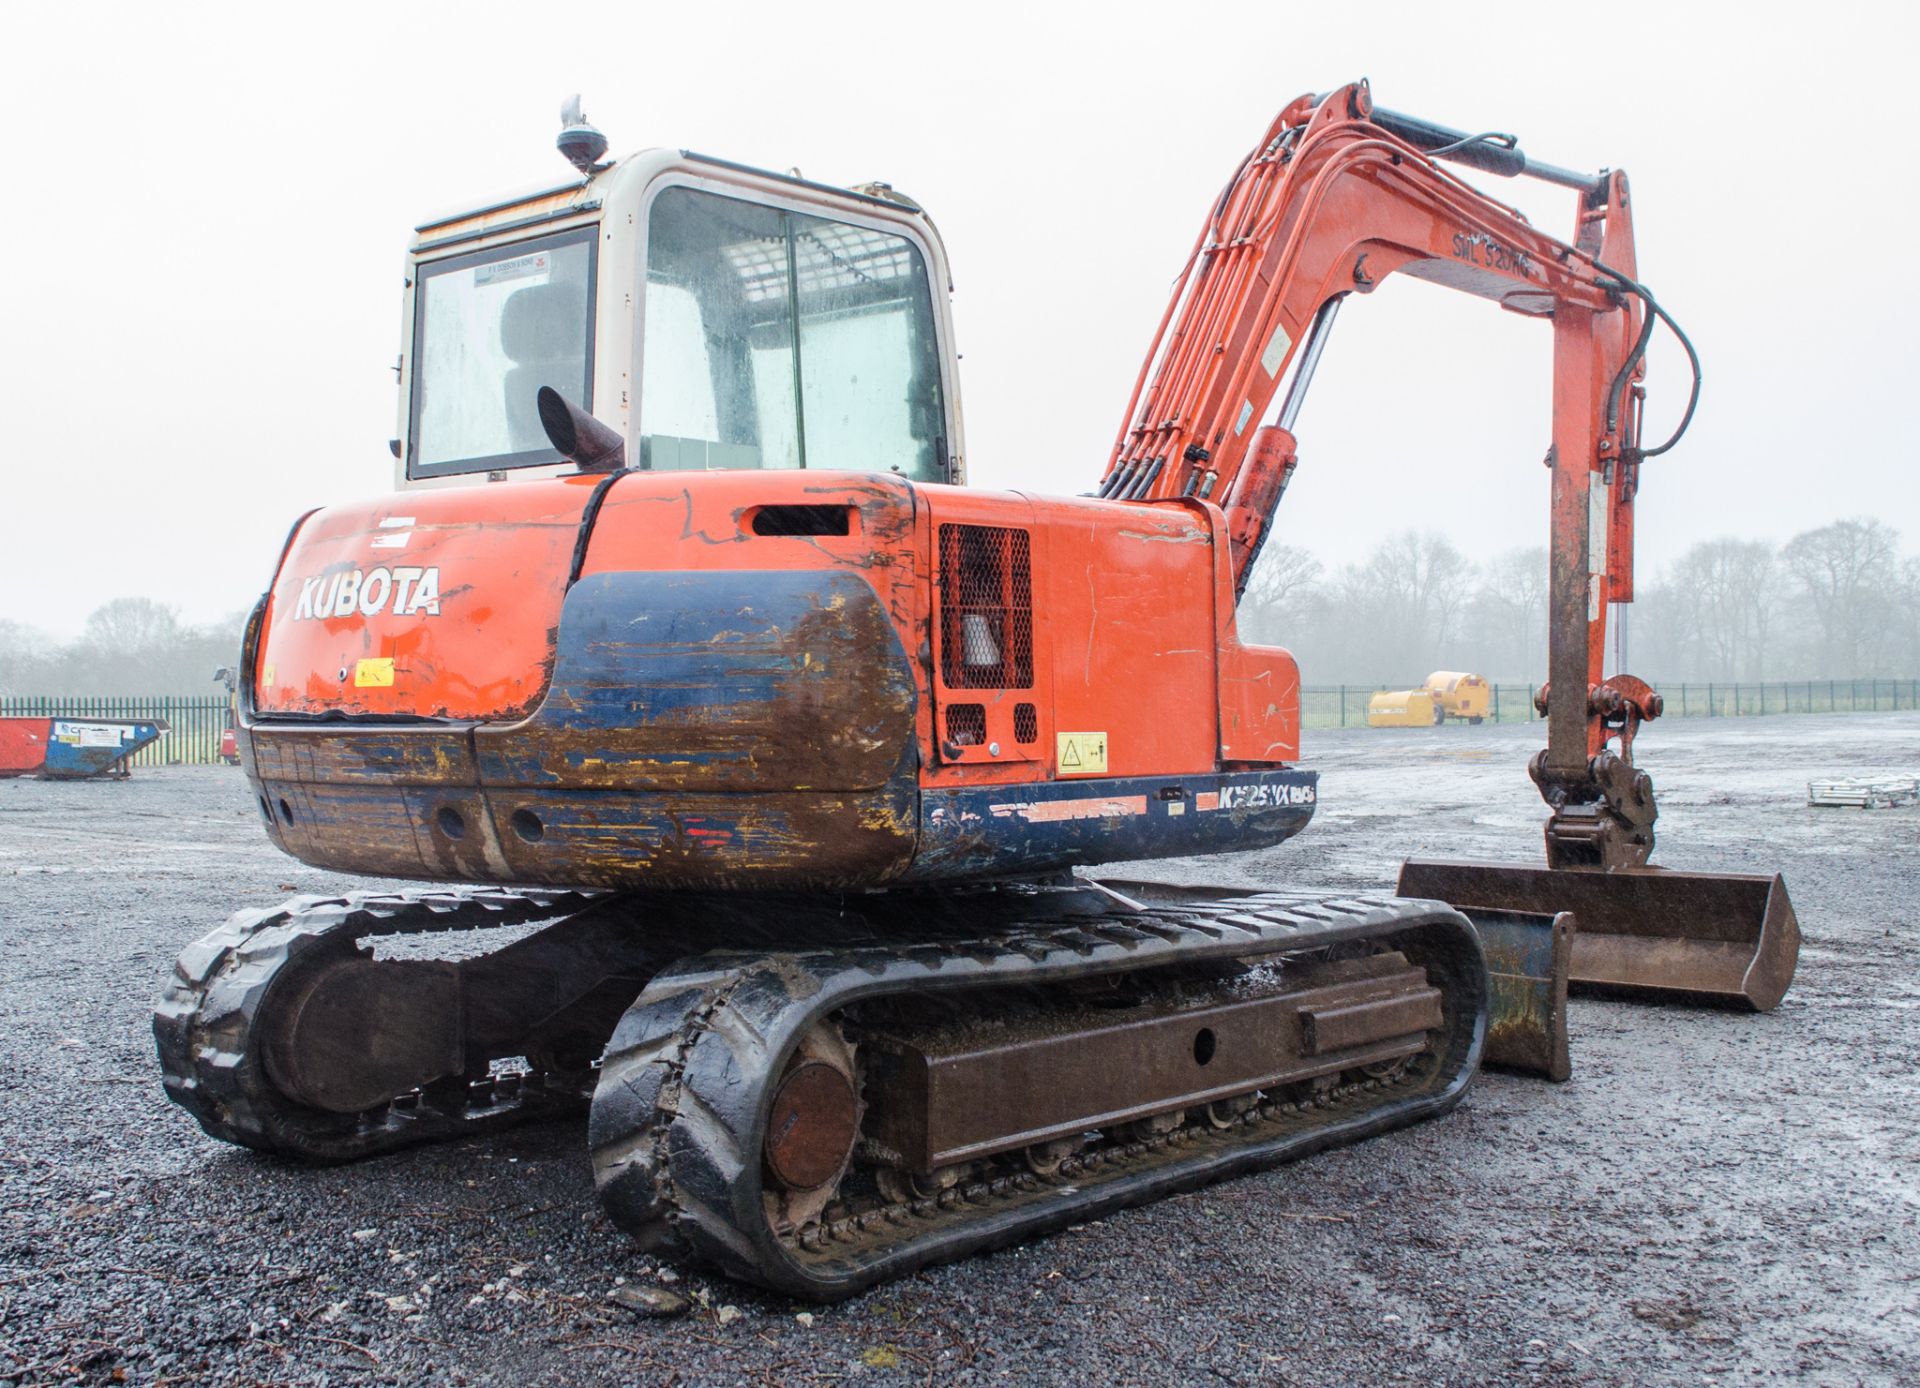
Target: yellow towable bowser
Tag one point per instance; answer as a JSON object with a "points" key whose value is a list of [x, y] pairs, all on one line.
{"points": [[1457, 694]]}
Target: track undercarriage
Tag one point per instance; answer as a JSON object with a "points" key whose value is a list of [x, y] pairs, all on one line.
{"points": [[904, 1079]]}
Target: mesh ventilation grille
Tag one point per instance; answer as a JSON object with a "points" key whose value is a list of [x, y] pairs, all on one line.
{"points": [[966, 724], [986, 607]]}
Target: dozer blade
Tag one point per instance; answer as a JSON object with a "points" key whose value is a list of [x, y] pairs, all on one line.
{"points": [[1528, 961], [1724, 939]]}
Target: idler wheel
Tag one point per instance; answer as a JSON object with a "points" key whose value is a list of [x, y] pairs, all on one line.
{"points": [[812, 1127], [351, 1034]]}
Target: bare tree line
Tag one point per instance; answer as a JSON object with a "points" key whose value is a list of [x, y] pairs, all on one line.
{"points": [[1837, 602], [128, 646]]}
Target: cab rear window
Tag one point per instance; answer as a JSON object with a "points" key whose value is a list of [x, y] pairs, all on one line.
{"points": [[490, 329]]}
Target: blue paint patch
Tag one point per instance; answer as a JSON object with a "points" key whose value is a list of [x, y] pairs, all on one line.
{"points": [[716, 681], [1008, 830]]}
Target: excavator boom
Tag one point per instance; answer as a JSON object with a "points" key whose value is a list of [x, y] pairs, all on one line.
{"points": [[1334, 199]]}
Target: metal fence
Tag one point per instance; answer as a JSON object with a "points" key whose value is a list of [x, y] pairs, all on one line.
{"points": [[194, 721], [1345, 705]]}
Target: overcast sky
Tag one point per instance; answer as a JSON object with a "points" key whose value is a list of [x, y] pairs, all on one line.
{"points": [[209, 206]]}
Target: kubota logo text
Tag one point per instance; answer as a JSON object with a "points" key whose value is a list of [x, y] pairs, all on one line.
{"points": [[409, 590]]}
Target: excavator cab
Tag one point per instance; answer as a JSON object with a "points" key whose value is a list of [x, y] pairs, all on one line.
{"points": [[778, 324]]}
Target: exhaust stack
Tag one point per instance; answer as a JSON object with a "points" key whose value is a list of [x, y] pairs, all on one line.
{"points": [[577, 436]]}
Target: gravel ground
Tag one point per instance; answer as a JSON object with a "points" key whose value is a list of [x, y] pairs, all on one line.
{"points": [[1713, 1198]]}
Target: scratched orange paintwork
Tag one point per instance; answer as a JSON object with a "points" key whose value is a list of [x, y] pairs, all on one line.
{"points": [[1111, 654], [501, 555]]}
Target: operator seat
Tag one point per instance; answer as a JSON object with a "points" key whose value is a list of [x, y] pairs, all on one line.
{"points": [[542, 331]]}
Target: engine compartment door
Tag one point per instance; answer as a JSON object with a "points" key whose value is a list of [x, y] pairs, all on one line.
{"points": [[990, 703], [438, 604]]}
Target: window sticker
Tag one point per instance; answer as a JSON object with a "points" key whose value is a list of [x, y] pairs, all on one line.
{"points": [[527, 267]]}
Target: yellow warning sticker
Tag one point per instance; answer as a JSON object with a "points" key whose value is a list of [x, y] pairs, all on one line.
{"points": [[266, 678], [1080, 754], [374, 672]]}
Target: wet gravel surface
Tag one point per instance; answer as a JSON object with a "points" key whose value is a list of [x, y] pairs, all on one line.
{"points": [[1712, 1198]]}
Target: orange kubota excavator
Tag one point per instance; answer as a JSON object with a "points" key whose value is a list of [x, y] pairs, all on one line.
{"points": [[793, 747]]}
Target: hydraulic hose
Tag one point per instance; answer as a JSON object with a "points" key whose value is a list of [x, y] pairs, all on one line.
{"points": [[1619, 386]]}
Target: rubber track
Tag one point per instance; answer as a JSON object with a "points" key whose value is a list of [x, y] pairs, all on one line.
{"points": [[679, 1114], [212, 1067]]}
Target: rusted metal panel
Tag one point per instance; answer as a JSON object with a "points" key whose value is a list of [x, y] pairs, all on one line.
{"points": [[1528, 963], [716, 681], [950, 1094], [362, 754], [702, 729], [364, 829], [1726, 938], [815, 839], [678, 839], [1326, 1028]]}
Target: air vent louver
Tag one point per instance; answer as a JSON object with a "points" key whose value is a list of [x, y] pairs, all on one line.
{"points": [[986, 607]]}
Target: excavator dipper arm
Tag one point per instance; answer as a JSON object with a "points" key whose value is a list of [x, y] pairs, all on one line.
{"points": [[1336, 197]]}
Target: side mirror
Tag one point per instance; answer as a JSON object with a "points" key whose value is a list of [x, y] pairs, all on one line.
{"points": [[577, 436]]}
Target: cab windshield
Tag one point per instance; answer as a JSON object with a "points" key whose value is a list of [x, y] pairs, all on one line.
{"points": [[775, 339], [490, 329]]}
